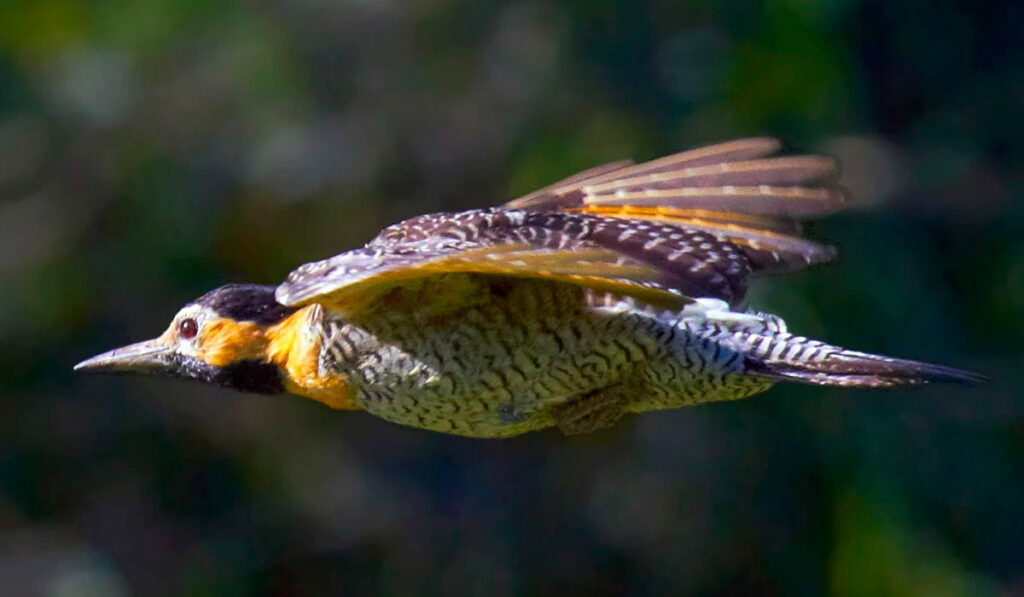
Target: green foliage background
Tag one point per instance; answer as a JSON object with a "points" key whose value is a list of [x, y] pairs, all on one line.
{"points": [[151, 150]]}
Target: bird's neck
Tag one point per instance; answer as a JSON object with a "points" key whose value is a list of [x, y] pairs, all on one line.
{"points": [[293, 345]]}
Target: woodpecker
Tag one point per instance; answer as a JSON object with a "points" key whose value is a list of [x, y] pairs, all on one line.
{"points": [[618, 290]]}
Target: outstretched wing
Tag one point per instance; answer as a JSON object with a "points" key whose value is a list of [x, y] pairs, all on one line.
{"points": [[732, 191], [694, 224]]}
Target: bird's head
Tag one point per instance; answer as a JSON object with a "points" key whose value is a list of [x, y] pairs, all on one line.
{"points": [[226, 337]]}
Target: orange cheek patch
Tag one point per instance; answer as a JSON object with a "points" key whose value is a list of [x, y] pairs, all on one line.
{"points": [[223, 341]]}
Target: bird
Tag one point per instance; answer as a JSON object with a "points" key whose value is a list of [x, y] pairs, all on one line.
{"points": [[616, 291]]}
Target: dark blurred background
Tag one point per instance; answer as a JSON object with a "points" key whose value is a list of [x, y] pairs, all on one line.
{"points": [[152, 150]]}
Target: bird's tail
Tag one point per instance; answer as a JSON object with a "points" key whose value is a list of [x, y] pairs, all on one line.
{"points": [[811, 362], [848, 368], [769, 350]]}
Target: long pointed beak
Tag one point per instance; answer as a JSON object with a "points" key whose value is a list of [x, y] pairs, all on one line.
{"points": [[151, 356]]}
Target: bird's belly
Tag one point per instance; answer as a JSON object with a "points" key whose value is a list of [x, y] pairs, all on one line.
{"points": [[505, 368], [491, 374]]}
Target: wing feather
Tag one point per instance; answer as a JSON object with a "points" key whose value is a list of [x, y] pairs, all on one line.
{"points": [[559, 195], [766, 200], [732, 190], [540, 196]]}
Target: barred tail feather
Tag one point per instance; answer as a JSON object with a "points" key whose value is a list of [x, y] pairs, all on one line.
{"points": [[848, 368]]}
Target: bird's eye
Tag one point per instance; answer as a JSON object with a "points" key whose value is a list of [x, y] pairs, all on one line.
{"points": [[188, 328]]}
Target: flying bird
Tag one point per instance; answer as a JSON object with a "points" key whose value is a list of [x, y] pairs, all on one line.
{"points": [[618, 290]]}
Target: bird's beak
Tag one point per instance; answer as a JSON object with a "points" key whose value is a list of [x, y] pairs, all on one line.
{"points": [[152, 356]]}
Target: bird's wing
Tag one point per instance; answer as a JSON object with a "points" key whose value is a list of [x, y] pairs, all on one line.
{"points": [[693, 224], [497, 242], [733, 191]]}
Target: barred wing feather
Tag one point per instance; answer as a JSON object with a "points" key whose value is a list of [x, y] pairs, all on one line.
{"points": [[732, 190]]}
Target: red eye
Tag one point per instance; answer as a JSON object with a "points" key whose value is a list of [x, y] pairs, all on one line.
{"points": [[188, 328]]}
